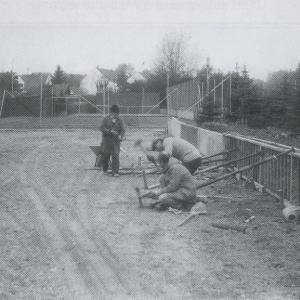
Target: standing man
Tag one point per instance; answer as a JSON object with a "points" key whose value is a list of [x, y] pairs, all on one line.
{"points": [[179, 148], [113, 132]]}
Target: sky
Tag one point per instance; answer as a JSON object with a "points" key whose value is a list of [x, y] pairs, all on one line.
{"points": [[37, 35]]}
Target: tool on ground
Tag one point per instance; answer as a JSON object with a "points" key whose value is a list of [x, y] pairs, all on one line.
{"points": [[198, 209], [239, 171], [229, 226], [145, 195], [138, 192]]}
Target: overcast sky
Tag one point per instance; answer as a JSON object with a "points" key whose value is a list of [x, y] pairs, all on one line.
{"points": [[36, 35]]}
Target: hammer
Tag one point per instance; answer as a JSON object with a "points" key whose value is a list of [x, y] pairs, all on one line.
{"points": [[141, 196], [138, 192]]}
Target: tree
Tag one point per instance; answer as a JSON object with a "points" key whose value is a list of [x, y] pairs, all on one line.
{"points": [[293, 112], [9, 82], [59, 76], [280, 97], [174, 60], [124, 71]]}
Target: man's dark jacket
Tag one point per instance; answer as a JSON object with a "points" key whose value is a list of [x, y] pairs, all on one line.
{"points": [[111, 142]]}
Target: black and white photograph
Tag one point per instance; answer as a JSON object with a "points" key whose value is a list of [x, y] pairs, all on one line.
{"points": [[149, 149]]}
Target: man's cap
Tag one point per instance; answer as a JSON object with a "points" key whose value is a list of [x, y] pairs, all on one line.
{"points": [[114, 109]]}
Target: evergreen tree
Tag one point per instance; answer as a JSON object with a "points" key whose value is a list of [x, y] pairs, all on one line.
{"points": [[59, 76], [294, 111]]}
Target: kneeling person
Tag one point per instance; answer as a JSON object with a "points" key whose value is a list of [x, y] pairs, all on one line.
{"points": [[177, 185]]}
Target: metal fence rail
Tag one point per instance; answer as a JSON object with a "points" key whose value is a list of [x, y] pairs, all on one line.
{"points": [[279, 177]]}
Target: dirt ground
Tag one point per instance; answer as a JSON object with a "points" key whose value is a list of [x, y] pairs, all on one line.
{"points": [[69, 232]]}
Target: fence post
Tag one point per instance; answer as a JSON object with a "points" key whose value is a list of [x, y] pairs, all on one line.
{"points": [[2, 103]]}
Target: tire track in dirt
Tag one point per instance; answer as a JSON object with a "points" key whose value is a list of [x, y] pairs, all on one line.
{"points": [[89, 271], [80, 214]]}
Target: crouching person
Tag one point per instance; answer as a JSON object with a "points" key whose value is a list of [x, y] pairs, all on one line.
{"points": [[177, 186]]}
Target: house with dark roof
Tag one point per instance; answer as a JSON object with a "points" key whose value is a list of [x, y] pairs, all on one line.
{"points": [[31, 83], [74, 80], [108, 78]]}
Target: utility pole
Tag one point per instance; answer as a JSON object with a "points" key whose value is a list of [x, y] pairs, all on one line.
{"points": [[207, 76], [107, 99], [168, 85], [236, 67], [143, 99], [103, 98], [41, 100], [214, 92], [222, 98]]}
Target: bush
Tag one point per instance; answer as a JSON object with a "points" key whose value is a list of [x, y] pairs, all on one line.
{"points": [[231, 117], [257, 121]]}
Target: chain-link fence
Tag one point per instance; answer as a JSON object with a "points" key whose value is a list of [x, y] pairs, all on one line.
{"points": [[57, 105], [195, 97]]}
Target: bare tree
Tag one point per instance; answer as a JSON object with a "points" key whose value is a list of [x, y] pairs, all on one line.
{"points": [[174, 59]]}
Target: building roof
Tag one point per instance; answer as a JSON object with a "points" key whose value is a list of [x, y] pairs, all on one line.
{"points": [[34, 79], [136, 76], [74, 80], [110, 75], [80, 91]]}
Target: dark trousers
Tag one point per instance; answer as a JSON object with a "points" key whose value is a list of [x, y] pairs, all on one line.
{"points": [[193, 165], [115, 161]]}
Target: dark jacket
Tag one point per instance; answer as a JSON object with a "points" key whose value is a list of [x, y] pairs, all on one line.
{"points": [[111, 142]]}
